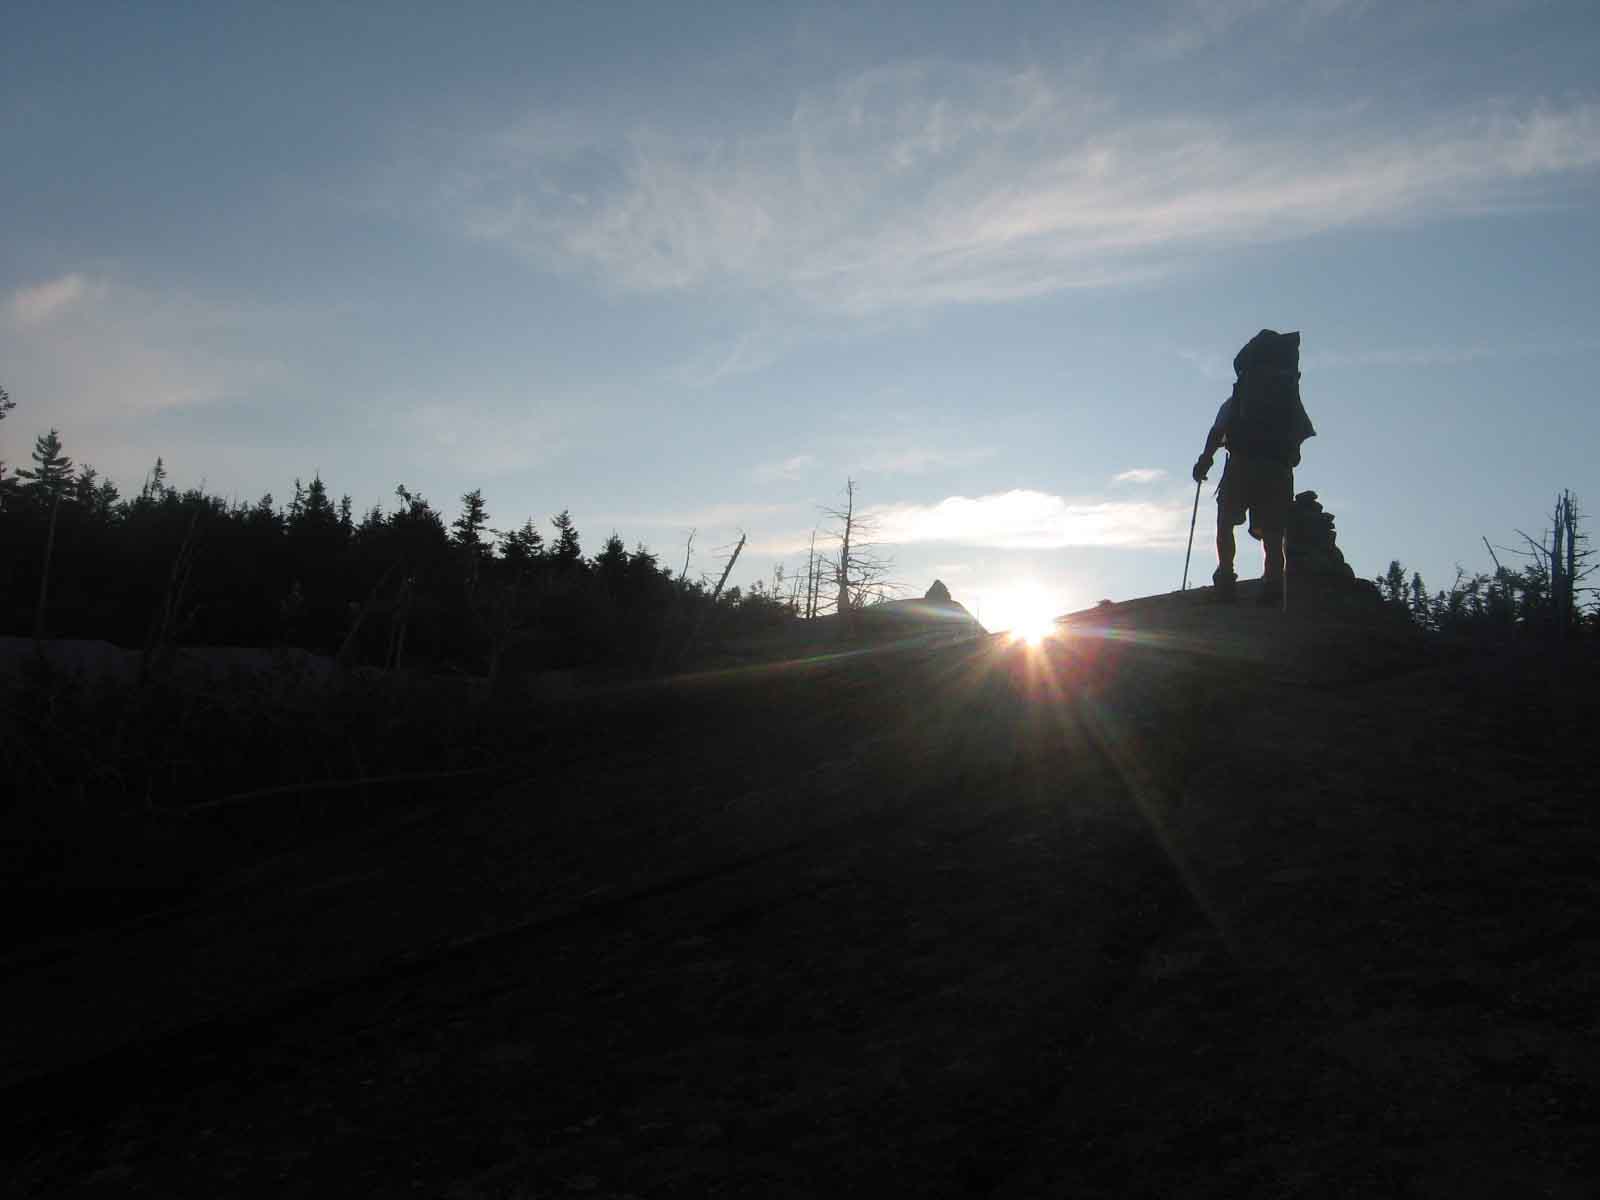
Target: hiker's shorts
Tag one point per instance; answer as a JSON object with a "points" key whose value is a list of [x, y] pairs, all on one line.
{"points": [[1259, 486]]}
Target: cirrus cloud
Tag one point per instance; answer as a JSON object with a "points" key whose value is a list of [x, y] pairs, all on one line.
{"points": [[915, 185], [38, 304]]}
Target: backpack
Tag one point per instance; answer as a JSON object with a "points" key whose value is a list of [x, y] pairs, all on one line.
{"points": [[1268, 418]]}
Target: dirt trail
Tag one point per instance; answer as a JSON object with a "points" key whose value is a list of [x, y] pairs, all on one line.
{"points": [[929, 922]]}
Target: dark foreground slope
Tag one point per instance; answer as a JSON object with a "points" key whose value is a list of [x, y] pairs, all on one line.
{"points": [[1194, 902]]}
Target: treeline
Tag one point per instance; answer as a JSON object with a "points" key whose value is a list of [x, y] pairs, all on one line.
{"points": [[1544, 596], [408, 587]]}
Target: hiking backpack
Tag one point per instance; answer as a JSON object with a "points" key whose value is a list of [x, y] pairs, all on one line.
{"points": [[1268, 417]]}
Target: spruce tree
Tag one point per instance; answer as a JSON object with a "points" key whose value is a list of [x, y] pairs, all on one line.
{"points": [[612, 563], [155, 483], [467, 529], [106, 496], [522, 547], [311, 511], [83, 487], [319, 508], [565, 551]]}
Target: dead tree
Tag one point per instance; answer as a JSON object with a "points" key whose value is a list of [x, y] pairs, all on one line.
{"points": [[847, 533], [688, 554], [860, 569], [728, 570], [1564, 562], [716, 594], [811, 577], [159, 643]]}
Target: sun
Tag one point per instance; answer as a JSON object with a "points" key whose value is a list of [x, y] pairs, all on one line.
{"points": [[1033, 629], [1026, 612]]}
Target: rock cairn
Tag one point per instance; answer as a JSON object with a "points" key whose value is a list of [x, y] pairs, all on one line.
{"points": [[1312, 546], [938, 593]]}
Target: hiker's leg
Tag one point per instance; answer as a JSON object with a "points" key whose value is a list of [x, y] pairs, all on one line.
{"points": [[1229, 514], [1272, 496], [1225, 547], [1272, 545]]}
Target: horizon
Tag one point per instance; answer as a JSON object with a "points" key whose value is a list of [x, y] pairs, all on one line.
{"points": [[693, 270]]}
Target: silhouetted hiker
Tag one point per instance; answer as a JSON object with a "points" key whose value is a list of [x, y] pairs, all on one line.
{"points": [[1262, 425]]}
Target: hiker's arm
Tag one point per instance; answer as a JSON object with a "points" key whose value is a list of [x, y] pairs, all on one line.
{"points": [[1214, 439]]}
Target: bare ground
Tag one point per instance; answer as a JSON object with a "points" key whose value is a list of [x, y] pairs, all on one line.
{"points": [[1197, 902]]}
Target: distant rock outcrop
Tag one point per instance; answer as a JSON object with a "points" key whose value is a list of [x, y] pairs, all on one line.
{"points": [[1312, 547], [936, 614]]}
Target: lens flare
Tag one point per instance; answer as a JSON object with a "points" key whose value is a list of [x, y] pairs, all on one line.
{"points": [[1033, 629], [1026, 612]]}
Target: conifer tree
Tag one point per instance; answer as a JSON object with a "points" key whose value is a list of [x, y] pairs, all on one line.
{"points": [[155, 483], [1419, 599], [318, 507], [51, 473], [565, 551], [6, 405], [83, 487], [49, 479], [613, 556], [104, 503], [467, 529], [612, 566], [522, 547]]}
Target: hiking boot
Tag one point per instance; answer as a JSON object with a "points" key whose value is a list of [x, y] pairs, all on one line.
{"points": [[1271, 595], [1224, 587]]}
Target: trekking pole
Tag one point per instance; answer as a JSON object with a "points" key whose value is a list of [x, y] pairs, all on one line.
{"points": [[1190, 550]]}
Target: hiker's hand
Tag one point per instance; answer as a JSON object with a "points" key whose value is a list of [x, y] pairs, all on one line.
{"points": [[1202, 467]]}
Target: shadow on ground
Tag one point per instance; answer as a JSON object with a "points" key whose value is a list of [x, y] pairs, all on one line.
{"points": [[1194, 901]]}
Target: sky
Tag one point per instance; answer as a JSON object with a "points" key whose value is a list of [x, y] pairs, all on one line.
{"points": [[692, 267]]}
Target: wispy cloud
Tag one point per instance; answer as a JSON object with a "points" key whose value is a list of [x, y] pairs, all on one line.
{"points": [[794, 467], [1031, 520], [1194, 25], [923, 184], [38, 304], [754, 349], [1140, 475], [97, 351]]}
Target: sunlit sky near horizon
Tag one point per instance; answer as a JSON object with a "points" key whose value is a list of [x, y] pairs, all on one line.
{"points": [[692, 266]]}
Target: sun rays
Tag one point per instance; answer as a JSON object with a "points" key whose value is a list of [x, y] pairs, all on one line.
{"points": [[1024, 610]]}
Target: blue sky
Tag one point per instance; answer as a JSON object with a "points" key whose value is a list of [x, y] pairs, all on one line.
{"points": [[682, 267]]}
